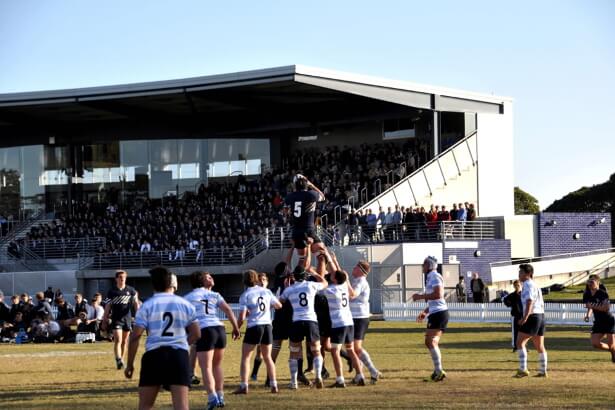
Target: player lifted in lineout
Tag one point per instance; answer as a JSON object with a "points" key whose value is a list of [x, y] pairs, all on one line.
{"points": [[302, 205]]}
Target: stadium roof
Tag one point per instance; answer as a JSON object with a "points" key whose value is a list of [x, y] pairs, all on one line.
{"points": [[290, 93]]}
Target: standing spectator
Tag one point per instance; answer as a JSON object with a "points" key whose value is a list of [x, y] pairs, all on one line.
{"points": [[27, 308], [462, 213], [478, 286], [49, 294], [460, 290], [397, 218], [382, 221], [388, 224], [513, 301], [471, 213], [5, 312], [454, 213], [372, 222]]}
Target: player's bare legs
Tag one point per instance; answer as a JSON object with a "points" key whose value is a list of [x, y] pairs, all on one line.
{"points": [[124, 343], [205, 362], [268, 360], [246, 356], [119, 343], [147, 397], [318, 362], [179, 397], [432, 342], [354, 359], [218, 372], [539, 345]]}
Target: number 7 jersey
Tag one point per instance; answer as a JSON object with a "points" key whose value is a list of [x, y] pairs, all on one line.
{"points": [[206, 303], [257, 301]]}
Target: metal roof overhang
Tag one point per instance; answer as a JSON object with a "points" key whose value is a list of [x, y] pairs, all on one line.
{"points": [[250, 100]]}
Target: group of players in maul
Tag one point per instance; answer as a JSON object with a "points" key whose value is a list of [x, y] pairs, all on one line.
{"points": [[322, 304]]}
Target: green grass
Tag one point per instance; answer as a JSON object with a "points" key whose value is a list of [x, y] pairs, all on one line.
{"points": [[576, 292], [477, 358]]}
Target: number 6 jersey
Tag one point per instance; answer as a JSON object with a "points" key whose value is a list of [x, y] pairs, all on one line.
{"points": [[206, 303], [257, 301]]}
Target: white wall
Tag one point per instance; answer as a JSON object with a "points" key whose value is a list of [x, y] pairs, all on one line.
{"points": [[415, 253], [522, 230], [495, 163]]}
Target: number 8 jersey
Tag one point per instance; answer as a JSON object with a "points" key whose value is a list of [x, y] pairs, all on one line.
{"points": [[301, 296], [257, 301], [206, 303]]}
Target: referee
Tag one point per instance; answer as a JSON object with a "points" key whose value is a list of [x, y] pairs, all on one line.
{"points": [[171, 325]]}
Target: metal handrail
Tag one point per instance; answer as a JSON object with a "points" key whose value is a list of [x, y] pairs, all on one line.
{"points": [[550, 257], [422, 167]]}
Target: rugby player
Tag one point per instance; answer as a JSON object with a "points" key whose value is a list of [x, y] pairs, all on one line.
{"points": [[121, 302], [532, 324], [255, 304], [338, 295], [597, 301], [302, 205], [210, 347], [359, 306], [171, 326], [436, 313], [304, 323]]}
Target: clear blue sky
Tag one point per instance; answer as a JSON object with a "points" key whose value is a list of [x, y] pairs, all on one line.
{"points": [[555, 58]]}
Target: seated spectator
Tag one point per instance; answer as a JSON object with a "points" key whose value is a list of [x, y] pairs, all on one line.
{"points": [[80, 304], [49, 294], [66, 318], [42, 311]]}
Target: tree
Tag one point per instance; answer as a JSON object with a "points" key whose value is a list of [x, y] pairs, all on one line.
{"points": [[525, 204]]}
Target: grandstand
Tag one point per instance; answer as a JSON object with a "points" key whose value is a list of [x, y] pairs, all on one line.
{"points": [[192, 173]]}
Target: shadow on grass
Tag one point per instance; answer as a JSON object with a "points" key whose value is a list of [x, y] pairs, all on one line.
{"points": [[553, 343], [91, 391]]}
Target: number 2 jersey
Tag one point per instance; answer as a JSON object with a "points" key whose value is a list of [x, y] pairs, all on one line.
{"points": [[258, 302], [301, 296], [339, 307], [165, 317], [206, 303]]}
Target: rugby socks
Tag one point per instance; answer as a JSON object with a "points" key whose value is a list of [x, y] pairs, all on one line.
{"points": [[367, 361], [257, 364], [273, 383], [436, 358], [212, 398], [340, 380], [542, 362], [220, 395], [522, 359], [318, 362], [293, 366]]}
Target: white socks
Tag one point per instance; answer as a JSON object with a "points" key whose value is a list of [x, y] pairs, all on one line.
{"points": [[522, 359], [367, 361], [542, 362], [318, 366], [294, 369], [436, 358]]}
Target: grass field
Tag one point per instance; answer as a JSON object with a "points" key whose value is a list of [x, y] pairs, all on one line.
{"points": [[576, 292], [477, 358]]}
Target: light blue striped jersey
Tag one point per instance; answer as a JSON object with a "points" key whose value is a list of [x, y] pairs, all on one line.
{"points": [[165, 317], [206, 302], [434, 279], [339, 305], [359, 306], [258, 302], [532, 292], [301, 297]]}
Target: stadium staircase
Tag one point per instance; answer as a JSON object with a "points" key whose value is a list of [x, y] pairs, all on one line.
{"points": [[448, 178]]}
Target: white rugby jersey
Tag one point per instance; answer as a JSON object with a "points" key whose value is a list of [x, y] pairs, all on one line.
{"points": [[339, 305], [258, 302], [301, 297], [165, 317], [434, 279], [359, 306], [206, 303], [532, 292]]}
